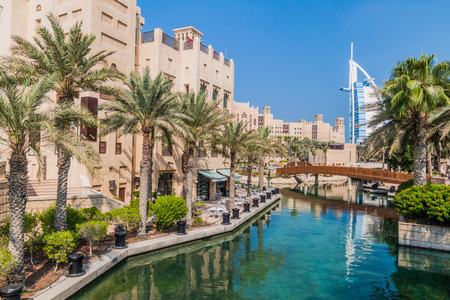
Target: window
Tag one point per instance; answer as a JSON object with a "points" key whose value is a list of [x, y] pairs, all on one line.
{"points": [[147, 62], [203, 88], [91, 104], [214, 95], [205, 69], [62, 18], [169, 63], [118, 148], [225, 100], [38, 8], [186, 86], [113, 67], [166, 151], [217, 74], [102, 148]]}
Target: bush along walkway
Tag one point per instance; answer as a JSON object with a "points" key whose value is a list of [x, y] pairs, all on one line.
{"points": [[67, 286]]}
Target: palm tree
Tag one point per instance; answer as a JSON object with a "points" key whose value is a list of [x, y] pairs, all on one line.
{"points": [[295, 147], [19, 119], [234, 138], [74, 67], [203, 120], [288, 140], [314, 153], [267, 146], [325, 150], [147, 107], [415, 90]]}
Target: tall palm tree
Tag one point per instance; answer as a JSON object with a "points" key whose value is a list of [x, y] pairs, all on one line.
{"points": [[74, 67], [234, 137], [295, 147], [415, 90], [314, 153], [19, 118], [288, 140], [203, 120], [147, 107], [325, 150], [251, 150]]}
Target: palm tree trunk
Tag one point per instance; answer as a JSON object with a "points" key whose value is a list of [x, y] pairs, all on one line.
{"points": [[326, 160], [17, 190], [430, 164], [232, 178], [382, 158], [146, 182], [261, 173], [184, 170], [420, 152], [249, 175], [63, 165], [190, 182], [61, 194]]}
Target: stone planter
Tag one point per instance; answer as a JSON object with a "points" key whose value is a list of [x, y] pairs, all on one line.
{"points": [[423, 236]]}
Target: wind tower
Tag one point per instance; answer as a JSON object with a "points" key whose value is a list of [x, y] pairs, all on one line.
{"points": [[360, 94]]}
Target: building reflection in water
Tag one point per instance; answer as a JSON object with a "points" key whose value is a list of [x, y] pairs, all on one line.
{"points": [[231, 266]]}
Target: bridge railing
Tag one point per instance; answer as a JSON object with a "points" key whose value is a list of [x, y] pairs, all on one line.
{"points": [[361, 173]]}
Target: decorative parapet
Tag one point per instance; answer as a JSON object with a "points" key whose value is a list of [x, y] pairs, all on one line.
{"points": [[423, 236]]}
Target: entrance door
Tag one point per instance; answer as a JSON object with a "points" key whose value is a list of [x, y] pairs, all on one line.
{"points": [[203, 187], [165, 184], [122, 194]]}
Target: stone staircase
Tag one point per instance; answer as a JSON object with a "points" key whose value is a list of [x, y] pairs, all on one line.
{"points": [[48, 188]]}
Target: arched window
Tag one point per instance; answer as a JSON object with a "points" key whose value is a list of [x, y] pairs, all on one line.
{"points": [[38, 8], [113, 67]]}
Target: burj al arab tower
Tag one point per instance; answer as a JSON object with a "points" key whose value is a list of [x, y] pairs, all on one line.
{"points": [[360, 94]]}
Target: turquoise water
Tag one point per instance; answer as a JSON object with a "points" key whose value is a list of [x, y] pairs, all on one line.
{"points": [[307, 248]]}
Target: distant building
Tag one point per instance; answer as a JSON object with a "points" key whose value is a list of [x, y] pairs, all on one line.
{"points": [[361, 93], [317, 130]]}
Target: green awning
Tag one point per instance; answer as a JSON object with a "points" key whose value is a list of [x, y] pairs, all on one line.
{"points": [[216, 177], [226, 172]]}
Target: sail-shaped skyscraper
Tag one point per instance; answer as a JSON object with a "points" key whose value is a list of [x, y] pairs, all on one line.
{"points": [[360, 93]]}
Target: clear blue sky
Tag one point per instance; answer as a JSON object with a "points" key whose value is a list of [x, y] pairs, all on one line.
{"points": [[293, 55]]}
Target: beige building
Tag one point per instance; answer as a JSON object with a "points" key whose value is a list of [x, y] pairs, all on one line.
{"points": [[317, 130], [337, 155], [183, 58]]}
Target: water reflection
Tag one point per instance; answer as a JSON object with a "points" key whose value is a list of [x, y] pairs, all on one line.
{"points": [[341, 191], [303, 248]]}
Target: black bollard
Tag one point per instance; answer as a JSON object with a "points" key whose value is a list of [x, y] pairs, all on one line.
{"points": [[11, 292], [264, 188], [76, 265], [255, 202], [226, 219], [277, 191], [263, 198], [181, 228], [120, 239], [235, 213], [246, 207], [269, 195]]}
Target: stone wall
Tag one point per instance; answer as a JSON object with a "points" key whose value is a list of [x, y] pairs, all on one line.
{"points": [[102, 202], [423, 236]]}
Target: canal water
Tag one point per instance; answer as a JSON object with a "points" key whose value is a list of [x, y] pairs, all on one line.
{"points": [[307, 247]]}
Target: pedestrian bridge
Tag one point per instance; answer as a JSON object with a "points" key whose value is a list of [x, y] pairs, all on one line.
{"points": [[352, 172]]}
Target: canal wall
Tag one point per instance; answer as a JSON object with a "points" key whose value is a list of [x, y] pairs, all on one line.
{"points": [[67, 286], [423, 236]]}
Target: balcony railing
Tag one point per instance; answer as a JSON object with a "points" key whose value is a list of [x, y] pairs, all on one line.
{"points": [[216, 56], [188, 45], [171, 42], [148, 37], [226, 62], [204, 49]]}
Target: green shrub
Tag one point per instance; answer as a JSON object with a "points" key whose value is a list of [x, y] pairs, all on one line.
{"points": [[33, 236], [136, 194], [58, 245], [92, 232], [4, 232], [167, 210], [127, 216], [428, 204], [198, 221], [436, 173], [405, 185], [7, 264], [92, 213], [117, 198], [47, 218]]}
